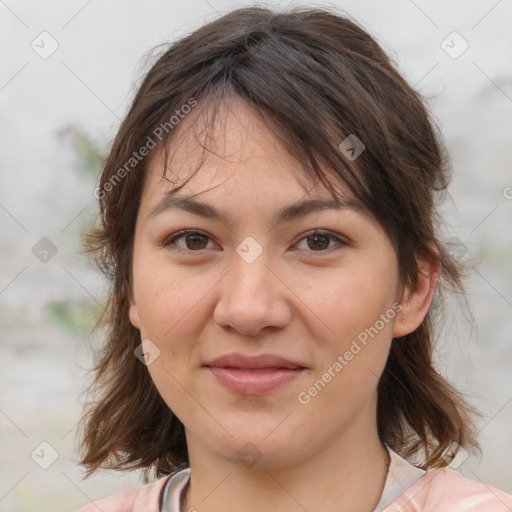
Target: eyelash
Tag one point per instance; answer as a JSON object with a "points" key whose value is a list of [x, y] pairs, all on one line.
{"points": [[181, 234]]}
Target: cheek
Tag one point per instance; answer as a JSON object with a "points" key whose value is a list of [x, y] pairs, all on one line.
{"points": [[172, 315], [355, 319], [173, 308], [166, 296], [349, 300]]}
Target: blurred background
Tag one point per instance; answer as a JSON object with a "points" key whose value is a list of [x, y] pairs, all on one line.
{"points": [[68, 71]]}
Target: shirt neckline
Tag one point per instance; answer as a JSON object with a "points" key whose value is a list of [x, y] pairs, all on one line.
{"points": [[173, 492], [401, 475]]}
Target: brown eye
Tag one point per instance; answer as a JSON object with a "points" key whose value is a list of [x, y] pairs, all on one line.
{"points": [[193, 241], [320, 242]]}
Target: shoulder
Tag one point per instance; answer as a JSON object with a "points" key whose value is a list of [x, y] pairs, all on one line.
{"points": [[447, 490], [139, 499]]}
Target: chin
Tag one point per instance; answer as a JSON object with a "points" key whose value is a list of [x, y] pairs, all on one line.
{"points": [[255, 448]]}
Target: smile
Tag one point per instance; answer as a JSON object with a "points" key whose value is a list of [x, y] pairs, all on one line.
{"points": [[252, 381]]}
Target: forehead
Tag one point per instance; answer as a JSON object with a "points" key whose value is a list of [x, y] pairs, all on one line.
{"points": [[233, 148]]}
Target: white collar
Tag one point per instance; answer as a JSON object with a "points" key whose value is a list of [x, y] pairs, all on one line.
{"points": [[401, 475], [171, 500]]}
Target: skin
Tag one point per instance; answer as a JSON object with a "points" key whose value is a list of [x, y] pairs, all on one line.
{"points": [[295, 300]]}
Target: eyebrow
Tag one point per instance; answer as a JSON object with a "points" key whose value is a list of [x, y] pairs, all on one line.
{"points": [[287, 213]]}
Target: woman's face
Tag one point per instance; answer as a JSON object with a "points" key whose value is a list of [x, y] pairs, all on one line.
{"points": [[255, 282]]}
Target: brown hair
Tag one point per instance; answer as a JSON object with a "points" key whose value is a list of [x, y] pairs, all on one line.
{"points": [[316, 77]]}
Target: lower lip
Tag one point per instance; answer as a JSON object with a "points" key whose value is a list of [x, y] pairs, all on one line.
{"points": [[254, 382]]}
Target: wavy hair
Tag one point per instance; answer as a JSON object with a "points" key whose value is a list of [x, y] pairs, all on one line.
{"points": [[315, 76]]}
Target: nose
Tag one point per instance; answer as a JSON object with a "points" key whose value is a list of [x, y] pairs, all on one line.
{"points": [[252, 297]]}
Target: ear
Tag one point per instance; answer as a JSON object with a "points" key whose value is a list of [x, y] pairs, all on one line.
{"points": [[416, 299], [133, 312]]}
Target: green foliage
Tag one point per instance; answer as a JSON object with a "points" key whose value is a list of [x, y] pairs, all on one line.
{"points": [[74, 317], [90, 155]]}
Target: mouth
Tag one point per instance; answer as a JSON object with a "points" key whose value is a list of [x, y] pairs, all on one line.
{"points": [[254, 381], [254, 375]]}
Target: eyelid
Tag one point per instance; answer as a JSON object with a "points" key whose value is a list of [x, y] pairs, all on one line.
{"points": [[341, 240], [179, 234]]}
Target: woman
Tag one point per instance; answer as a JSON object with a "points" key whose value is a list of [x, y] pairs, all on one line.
{"points": [[267, 226]]}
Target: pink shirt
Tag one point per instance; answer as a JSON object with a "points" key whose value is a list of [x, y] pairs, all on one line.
{"points": [[407, 489]]}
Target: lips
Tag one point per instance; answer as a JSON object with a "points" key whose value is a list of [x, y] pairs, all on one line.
{"points": [[254, 375], [263, 361]]}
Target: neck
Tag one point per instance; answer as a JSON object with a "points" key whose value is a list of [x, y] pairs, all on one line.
{"points": [[348, 475]]}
